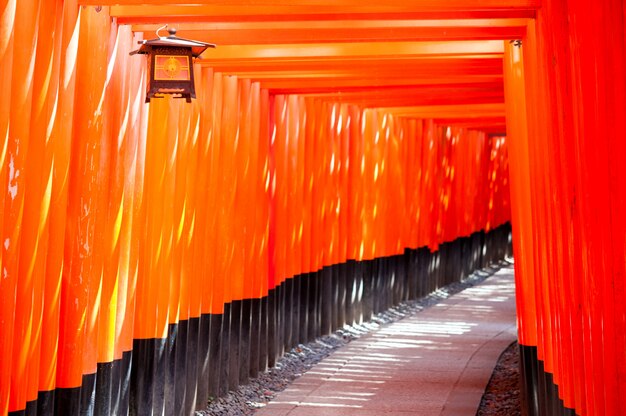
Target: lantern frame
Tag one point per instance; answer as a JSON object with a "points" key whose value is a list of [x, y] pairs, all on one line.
{"points": [[175, 69]]}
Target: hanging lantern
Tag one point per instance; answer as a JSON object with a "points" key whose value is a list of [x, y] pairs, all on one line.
{"points": [[170, 65]]}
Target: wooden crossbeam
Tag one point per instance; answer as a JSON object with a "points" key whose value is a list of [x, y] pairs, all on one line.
{"points": [[243, 10], [354, 50], [385, 66], [315, 84], [468, 111], [257, 33]]}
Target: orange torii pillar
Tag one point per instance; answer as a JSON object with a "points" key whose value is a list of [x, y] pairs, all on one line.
{"points": [[566, 100]]}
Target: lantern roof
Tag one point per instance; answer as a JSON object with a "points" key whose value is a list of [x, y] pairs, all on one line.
{"points": [[172, 40]]}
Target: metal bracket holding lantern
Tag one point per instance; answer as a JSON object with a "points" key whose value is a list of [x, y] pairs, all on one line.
{"points": [[170, 65]]}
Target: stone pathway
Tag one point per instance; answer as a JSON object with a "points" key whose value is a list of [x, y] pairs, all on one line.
{"points": [[436, 362]]}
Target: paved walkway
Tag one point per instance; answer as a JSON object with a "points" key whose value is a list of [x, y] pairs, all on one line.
{"points": [[437, 362]]}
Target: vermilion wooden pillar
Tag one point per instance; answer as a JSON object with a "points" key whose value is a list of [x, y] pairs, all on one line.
{"points": [[568, 188]]}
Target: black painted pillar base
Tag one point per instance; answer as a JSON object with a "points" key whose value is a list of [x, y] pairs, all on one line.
{"points": [[104, 389], [303, 307], [176, 387], [351, 292], [204, 331], [280, 320], [314, 306], [272, 336], [214, 360], [540, 396], [255, 338], [263, 335], [127, 363], [244, 341], [234, 345], [368, 291], [192, 365], [45, 403], [224, 345], [326, 300]]}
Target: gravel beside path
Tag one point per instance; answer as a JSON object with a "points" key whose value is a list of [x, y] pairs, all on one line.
{"points": [[502, 396]]}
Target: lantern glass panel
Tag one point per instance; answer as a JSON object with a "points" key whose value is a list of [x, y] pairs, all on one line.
{"points": [[171, 68]]}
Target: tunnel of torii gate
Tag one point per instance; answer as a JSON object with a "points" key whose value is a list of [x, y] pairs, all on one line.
{"points": [[340, 156]]}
